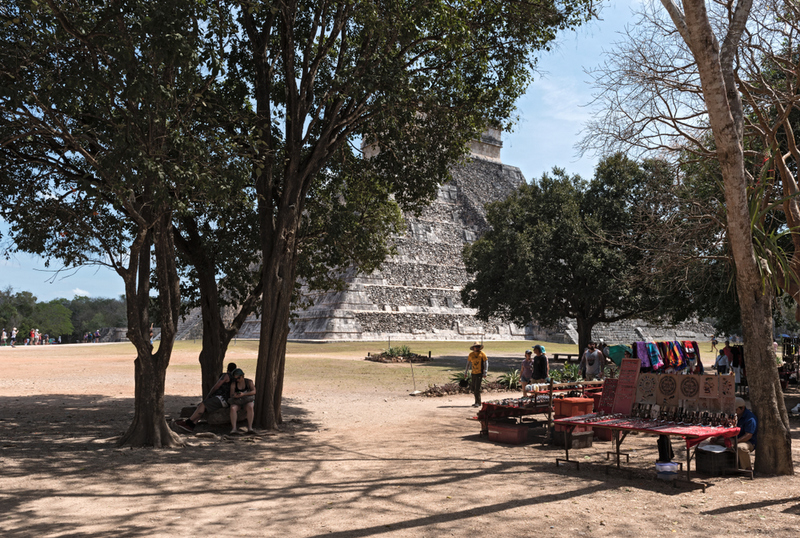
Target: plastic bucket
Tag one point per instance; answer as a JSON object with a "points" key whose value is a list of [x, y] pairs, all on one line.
{"points": [[667, 467]]}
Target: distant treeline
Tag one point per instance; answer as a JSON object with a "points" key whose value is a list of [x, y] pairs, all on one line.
{"points": [[67, 318]]}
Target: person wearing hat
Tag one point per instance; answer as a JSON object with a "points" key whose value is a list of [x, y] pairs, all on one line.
{"points": [[13, 340], [746, 440], [748, 430], [243, 395], [480, 365], [217, 399], [526, 372]]}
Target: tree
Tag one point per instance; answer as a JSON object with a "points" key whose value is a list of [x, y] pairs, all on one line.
{"points": [[108, 116], [552, 251], [668, 95], [767, 77], [348, 225], [412, 80], [89, 314]]}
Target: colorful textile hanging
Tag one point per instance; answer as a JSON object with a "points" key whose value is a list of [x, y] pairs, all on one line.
{"points": [[655, 356]]}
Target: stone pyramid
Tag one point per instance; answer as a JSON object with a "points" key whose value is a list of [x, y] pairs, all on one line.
{"points": [[416, 294]]}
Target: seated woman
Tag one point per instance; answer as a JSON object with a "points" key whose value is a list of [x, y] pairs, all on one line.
{"points": [[243, 395]]}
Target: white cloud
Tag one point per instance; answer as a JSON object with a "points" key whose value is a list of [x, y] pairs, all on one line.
{"points": [[82, 293]]}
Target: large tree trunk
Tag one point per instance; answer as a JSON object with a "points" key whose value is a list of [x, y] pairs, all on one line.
{"points": [[585, 327], [217, 335], [725, 114], [149, 426], [215, 342], [276, 303]]}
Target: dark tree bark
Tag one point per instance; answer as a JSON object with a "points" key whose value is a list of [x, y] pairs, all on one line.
{"points": [[217, 335], [585, 327], [149, 426]]}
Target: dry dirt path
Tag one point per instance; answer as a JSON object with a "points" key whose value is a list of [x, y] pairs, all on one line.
{"points": [[354, 460]]}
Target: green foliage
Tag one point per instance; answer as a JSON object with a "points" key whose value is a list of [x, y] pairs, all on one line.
{"points": [[570, 373], [458, 377], [21, 310], [553, 250], [60, 317], [510, 379], [399, 351], [90, 314]]}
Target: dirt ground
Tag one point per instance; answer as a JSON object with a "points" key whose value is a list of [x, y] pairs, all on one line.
{"points": [[358, 457]]}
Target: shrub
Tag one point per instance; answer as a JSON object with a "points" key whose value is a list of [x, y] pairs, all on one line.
{"points": [[510, 379]]}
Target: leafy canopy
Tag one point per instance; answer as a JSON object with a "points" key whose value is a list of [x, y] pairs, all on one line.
{"points": [[554, 249]]}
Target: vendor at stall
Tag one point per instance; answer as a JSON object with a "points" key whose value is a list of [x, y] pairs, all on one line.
{"points": [[748, 428], [746, 440]]}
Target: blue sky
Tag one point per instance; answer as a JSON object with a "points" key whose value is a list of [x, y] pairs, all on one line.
{"points": [[551, 115]]}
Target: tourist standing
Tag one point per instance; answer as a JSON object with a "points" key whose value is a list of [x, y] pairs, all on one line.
{"points": [[3, 337], [592, 362], [526, 372], [479, 364], [541, 366], [13, 336]]}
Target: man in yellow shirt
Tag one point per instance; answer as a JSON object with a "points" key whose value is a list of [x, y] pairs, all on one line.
{"points": [[479, 364]]}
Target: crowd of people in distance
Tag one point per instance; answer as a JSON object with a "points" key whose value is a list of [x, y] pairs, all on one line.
{"points": [[91, 337], [37, 338], [231, 390], [33, 338]]}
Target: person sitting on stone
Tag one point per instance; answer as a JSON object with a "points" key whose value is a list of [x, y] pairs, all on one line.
{"points": [[242, 395], [217, 399]]}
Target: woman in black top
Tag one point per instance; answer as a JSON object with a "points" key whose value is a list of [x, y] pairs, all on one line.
{"points": [[243, 395], [541, 366]]}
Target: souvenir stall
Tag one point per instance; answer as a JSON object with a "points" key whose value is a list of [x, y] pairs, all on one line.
{"points": [[694, 407], [494, 415]]}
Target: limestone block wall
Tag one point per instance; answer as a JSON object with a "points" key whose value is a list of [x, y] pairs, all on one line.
{"points": [[416, 294]]}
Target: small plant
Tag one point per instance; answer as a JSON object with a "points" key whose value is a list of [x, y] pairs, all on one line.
{"points": [[509, 379], [399, 351], [610, 371], [458, 377], [569, 374]]}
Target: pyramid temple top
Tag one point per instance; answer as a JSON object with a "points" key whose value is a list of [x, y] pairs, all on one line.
{"points": [[489, 145]]}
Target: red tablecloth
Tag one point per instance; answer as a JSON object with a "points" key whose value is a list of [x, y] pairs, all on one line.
{"points": [[693, 434]]}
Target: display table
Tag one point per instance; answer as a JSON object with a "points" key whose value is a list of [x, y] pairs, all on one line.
{"points": [[540, 402], [621, 426], [513, 408]]}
